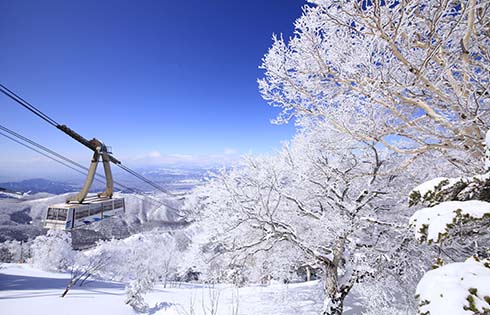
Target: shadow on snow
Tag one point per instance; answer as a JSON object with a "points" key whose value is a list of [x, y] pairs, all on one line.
{"points": [[17, 282]]}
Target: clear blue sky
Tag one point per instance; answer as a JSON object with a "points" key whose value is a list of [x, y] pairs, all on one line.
{"points": [[173, 77]]}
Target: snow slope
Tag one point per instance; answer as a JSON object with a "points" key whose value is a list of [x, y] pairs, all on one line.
{"points": [[25, 290]]}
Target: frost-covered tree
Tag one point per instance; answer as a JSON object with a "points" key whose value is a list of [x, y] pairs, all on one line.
{"points": [[315, 203], [412, 75], [409, 76], [141, 261], [52, 251], [456, 220], [361, 79]]}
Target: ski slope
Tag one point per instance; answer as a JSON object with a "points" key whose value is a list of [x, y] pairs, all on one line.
{"points": [[25, 290]]}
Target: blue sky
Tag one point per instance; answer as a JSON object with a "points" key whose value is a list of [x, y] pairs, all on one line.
{"points": [[156, 80]]}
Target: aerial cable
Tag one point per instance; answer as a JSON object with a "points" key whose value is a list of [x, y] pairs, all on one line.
{"points": [[74, 135], [149, 182], [40, 146], [42, 153], [27, 105], [86, 169], [32, 143], [13, 133]]}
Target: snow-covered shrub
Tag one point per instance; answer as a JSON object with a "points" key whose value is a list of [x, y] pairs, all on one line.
{"points": [[458, 211], [441, 189], [5, 255], [458, 289], [52, 251], [134, 294], [376, 300], [14, 251], [433, 224]]}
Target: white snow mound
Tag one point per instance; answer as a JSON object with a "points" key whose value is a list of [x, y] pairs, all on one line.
{"points": [[458, 288]]}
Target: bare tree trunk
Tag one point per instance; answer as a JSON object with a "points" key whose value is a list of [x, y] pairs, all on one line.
{"points": [[74, 280], [83, 276], [334, 302], [70, 285], [335, 292]]}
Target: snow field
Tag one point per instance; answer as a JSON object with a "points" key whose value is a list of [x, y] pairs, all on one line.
{"points": [[25, 290]]}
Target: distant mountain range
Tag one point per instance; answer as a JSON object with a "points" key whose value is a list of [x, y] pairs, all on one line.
{"points": [[170, 178], [21, 214], [39, 185]]}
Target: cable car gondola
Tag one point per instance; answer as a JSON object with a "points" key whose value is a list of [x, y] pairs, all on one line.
{"points": [[81, 210], [67, 216]]}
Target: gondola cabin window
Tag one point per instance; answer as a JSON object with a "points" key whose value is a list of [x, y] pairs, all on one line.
{"points": [[81, 213], [57, 214]]}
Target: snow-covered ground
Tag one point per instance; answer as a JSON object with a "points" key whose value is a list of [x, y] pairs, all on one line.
{"points": [[26, 290]]}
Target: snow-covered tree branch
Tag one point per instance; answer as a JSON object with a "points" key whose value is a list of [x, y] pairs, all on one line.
{"points": [[411, 75]]}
